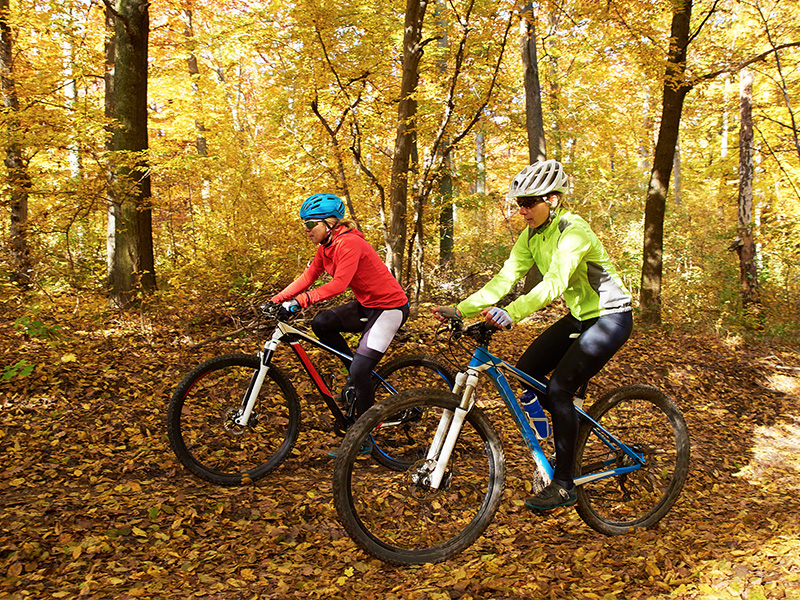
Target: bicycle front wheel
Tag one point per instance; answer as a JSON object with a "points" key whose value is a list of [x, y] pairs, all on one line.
{"points": [[647, 421], [201, 427], [392, 447], [397, 516]]}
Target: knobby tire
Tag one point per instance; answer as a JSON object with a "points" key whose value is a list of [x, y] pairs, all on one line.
{"points": [[648, 421], [201, 430], [394, 518]]}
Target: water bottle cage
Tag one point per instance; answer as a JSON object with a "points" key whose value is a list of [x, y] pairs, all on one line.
{"points": [[535, 414]]}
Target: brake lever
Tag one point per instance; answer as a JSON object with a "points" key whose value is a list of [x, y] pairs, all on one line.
{"points": [[456, 328], [269, 309]]}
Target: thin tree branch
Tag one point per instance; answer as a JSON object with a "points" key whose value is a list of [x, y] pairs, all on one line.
{"points": [[332, 132], [351, 105], [450, 103], [355, 149], [774, 154], [741, 65], [783, 86], [439, 157], [711, 11]]}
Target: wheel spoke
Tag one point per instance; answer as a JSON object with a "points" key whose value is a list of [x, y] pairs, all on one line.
{"points": [[395, 514], [402, 438], [202, 428]]}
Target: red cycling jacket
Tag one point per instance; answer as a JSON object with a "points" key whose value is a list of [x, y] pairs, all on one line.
{"points": [[353, 263]]}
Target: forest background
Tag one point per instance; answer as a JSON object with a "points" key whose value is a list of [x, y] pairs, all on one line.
{"points": [[249, 107]]}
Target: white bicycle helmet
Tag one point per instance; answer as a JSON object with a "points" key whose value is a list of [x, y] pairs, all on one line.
{"points": [[538, 179]]}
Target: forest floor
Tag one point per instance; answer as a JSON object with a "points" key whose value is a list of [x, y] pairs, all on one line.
{"points": [[94, 505]]}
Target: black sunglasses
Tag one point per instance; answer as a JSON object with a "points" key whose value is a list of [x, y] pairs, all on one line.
{"points": [[530, 201]]}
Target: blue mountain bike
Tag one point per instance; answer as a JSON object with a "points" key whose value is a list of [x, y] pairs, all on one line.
{"points": [[631, 462]]}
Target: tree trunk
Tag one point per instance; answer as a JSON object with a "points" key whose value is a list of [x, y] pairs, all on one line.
{"points": [[19, 181], [745, 243], [480, 161], [675, 90], [194, 72], [72, 101], [133, 260], [108, 111], [405, 139], [534, 120], [418, 251], [677, 182], [555, 87], [446, 256], [647, 126]]}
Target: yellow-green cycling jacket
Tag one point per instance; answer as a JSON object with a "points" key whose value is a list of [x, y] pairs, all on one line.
{"points": [[572, 262]]}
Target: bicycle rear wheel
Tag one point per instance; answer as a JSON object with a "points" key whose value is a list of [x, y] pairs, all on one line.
{"points": [[412, 370], [392, 446], [395, 515], [647, 421], [201, 428]]}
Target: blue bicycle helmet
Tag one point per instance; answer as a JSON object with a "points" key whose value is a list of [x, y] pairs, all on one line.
{"points": [[320, 206]]}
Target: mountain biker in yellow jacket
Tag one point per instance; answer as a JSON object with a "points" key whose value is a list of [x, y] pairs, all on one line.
{"points": [[572, 263]]}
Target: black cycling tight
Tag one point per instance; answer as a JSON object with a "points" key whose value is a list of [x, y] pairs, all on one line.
{"points": [[573, 361], [378, 326]]}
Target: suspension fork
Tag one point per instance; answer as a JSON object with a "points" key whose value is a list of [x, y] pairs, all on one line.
{"points": [[265, 358], [450, 427]]}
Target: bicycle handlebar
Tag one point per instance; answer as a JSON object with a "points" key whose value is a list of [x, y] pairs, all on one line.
{"points": [[274, 310], [482, 331], [270, 309]]}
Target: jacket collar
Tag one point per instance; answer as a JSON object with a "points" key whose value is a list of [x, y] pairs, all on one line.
{"points": [[335, 234]]}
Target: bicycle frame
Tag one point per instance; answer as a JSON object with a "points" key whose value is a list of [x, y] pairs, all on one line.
{"points": [[285, 332], [466, 382]]}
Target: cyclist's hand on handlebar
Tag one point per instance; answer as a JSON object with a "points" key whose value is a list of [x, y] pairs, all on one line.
{"points": [[443, 313], [289, 309], [498, 317]]}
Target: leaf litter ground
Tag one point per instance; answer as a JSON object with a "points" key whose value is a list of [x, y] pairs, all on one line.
{"points": [[94, 505]]}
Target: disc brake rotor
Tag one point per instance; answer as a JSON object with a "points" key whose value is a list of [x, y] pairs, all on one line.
{"points": [[419, 479], [230, 425]]}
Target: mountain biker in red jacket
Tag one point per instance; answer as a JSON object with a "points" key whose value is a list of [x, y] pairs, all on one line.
{"points": [[381, 305]]}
